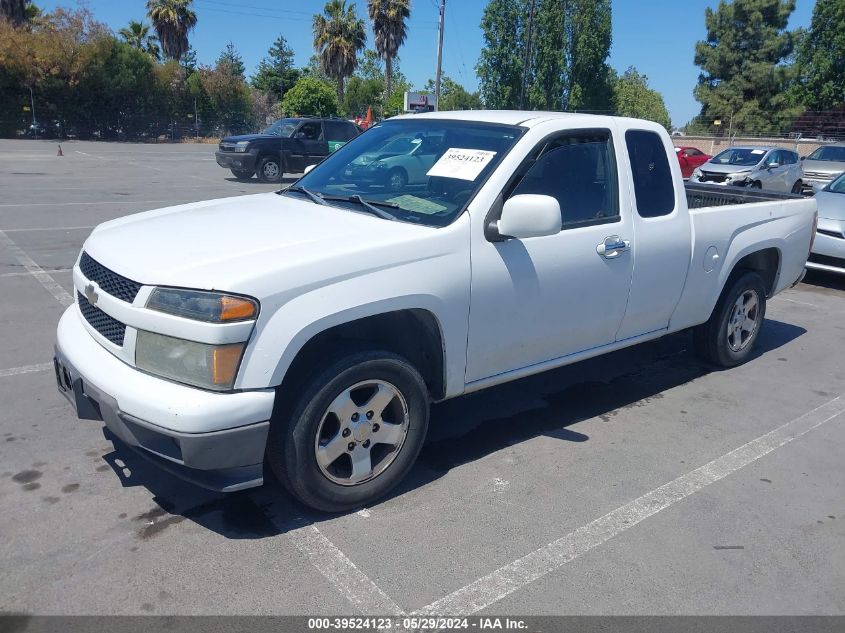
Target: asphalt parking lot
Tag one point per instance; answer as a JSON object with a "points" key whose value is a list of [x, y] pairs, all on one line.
{"points": [[610, 487]]}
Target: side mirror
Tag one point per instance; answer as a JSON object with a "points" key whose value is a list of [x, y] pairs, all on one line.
{"points": [[803, 158], [307, 169], [529, 215]]}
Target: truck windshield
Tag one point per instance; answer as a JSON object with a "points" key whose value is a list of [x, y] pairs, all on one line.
{"points": [[836, 154], [744, 157], [420, 170], [282, 127]]}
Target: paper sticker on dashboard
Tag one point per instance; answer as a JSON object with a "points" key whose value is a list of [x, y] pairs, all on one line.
{"points": [[464, 164], [419, 205], [758, 151]]}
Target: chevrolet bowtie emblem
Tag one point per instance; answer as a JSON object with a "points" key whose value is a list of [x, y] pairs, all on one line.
{"points": [[91, 294]]}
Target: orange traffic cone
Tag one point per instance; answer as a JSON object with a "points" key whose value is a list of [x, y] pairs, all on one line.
{"points": [[369, 120], [60, 151]]}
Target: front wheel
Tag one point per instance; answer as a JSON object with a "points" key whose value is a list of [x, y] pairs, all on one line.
{"points": [[269, 169], [728, 337], [353, 433], [797, 187]]}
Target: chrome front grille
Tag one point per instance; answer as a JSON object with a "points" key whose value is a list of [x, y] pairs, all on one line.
{"points": [[709, 176], [817, 175], [109, 281], [108, 326], [227, 147]]}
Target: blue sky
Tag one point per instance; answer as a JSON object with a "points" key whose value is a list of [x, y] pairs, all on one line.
{"points": [[656, 36]]}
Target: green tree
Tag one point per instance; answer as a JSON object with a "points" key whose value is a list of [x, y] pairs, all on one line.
{"points": [[229, 97], [338, 38], [137, 35], [570, 42], [188, 61], [310, 96], [16, 11], [453, 96], [632, 97], [173, 20], [232, 59], [388, 17], [821, 57], [744, 80], [501, 63], [276, 73], [362, 94]]}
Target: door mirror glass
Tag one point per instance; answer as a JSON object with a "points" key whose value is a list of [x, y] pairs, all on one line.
{"points": [[530, 215], [309, 168]]}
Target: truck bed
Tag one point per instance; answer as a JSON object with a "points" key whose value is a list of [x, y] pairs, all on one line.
{"points": [[700, 196]]}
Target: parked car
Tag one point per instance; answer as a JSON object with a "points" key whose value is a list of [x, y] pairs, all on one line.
{"points": [[770, 168], [690, 158], [287, 146], [400, 162], [829, 246], [310, 329], [822, 166]]}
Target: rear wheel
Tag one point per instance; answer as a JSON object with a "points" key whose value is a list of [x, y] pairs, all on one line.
{"points": [[397, 178], [269, 169], [728, 337], [242, 174], [353, 432]]}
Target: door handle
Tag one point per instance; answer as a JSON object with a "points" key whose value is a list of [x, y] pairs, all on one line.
{"points": [[612, 247]]}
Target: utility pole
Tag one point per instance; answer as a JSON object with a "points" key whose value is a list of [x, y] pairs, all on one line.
{"points": [[439, 55], [32, 106], [527, 62]]}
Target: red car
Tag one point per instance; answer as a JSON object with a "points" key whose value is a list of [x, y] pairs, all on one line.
{"points": [[690, 158]]}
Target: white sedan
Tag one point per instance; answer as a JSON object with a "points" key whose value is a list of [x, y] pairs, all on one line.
{"points": [[399, 162]]}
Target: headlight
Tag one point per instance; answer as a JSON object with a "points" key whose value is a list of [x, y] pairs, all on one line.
{"points": [[199, 364], [241, 146], [212, 307], [696, 173]]}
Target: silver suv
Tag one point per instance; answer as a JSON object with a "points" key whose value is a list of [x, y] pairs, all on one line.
{"points": [[771, 168], [822, 166]]}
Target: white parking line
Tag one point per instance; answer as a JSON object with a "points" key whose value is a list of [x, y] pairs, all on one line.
{"points": [[26, 369], [48, 228], [23, 274], [514, 576], [99, 202], [52, 286], [341, 572]]}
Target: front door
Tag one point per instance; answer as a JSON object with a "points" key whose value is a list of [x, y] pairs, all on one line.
{"points": [[543, 298], [308, 146]]}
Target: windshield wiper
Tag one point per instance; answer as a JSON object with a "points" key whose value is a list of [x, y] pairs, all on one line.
{"points": [[313, 196], [369, 205]]}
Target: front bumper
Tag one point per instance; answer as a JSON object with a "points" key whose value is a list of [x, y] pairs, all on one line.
{"points": [[809, 185], [828, 250], [147, 412], [243, 161]]}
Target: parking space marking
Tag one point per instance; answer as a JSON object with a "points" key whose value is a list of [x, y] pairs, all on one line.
{"points": [[26, 369], [23, 274], [341, 572], [48, 228], [51, 285], [115, 202], [506, 580]]}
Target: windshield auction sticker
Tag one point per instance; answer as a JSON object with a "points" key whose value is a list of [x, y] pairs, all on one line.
{"points": [[465, 164]]}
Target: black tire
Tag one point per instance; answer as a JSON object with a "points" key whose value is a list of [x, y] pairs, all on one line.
{"points": [[756, 185], [242, 174], [797, 187], [396, 179], [270, 169], [712, 339], [291, 446]]}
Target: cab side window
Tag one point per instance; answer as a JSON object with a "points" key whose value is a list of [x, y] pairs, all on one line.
{"points": [[339, 131], [310, 131], [578, 170], [654, 188]]}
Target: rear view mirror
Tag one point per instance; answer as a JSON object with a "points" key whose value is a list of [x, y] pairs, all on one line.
{"points": [[529, 215]]}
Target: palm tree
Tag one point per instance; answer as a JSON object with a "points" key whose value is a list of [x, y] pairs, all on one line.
{"points": [[388, 17], [137, 35], [338, 38], [173, 20]]}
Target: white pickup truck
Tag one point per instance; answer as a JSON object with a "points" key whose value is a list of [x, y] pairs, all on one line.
{"points": [[308, 330]]}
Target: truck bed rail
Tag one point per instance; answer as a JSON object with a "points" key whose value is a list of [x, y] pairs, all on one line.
{"points": [[700, 196]]}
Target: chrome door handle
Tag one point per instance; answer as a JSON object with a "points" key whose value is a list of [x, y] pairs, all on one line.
{"points": [[612, 247]]}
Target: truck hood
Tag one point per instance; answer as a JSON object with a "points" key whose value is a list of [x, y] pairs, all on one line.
{"points": [[237, 244], [248, 137], [831, 205]]}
